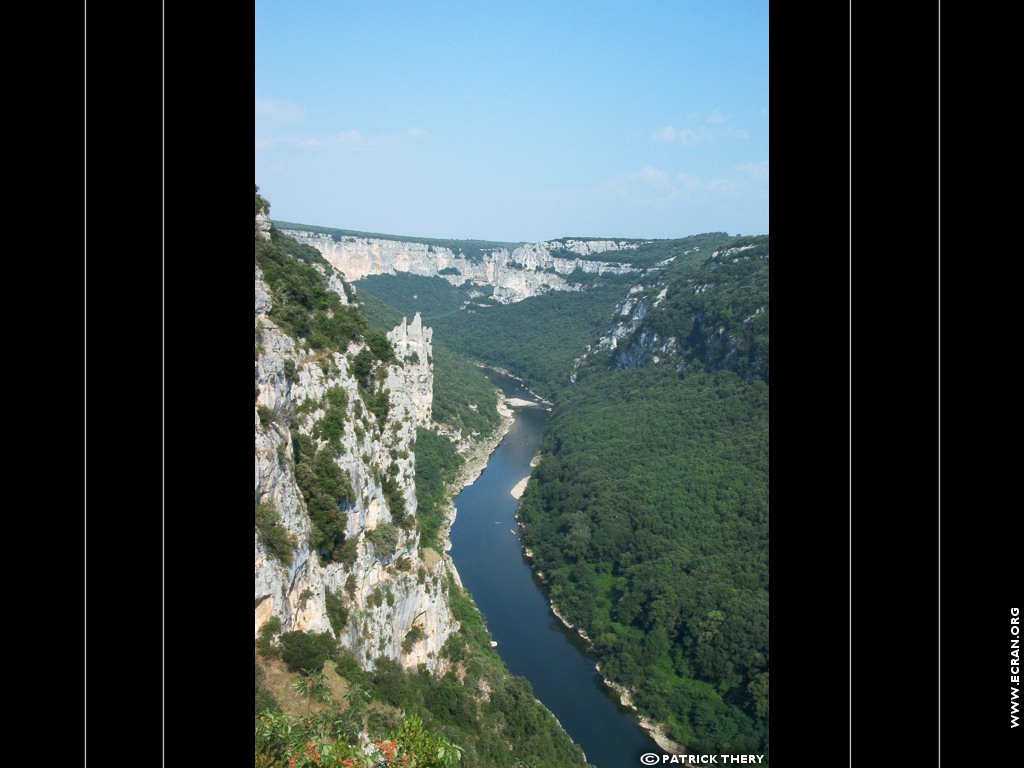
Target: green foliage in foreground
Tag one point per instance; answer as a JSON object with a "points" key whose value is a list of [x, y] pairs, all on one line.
{"points": [[442, 719], [648, 514], [326, 740], [437, 463]]}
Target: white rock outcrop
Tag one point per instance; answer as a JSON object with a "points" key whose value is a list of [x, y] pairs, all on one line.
{"points": [[527, 270], [263, 225], [385, 594]]}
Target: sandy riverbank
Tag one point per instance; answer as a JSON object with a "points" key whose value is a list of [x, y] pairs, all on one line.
{"points": [[520, 403], [520, 487], [511, 375]]}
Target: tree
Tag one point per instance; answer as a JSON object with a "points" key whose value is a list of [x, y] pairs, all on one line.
{"points": [[312, 686]]}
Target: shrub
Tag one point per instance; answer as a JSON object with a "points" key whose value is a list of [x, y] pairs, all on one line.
{"points": [[412, 637], [376, 598], [267, 415], [336, 612], [307, 650], [273, 536], [379, 404], [346, 553], [264, 644], [385, 540], [290, 371], [325, 487], [337, 397]]}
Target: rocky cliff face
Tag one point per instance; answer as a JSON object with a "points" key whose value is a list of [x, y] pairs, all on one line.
{"points": [[386, 594], [263, 225], [527, 270], [720, 317]]}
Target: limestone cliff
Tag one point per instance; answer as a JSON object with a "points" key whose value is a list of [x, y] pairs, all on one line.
{"points": [[516, 274], [386, 589], [263, 224], [719, 321]]}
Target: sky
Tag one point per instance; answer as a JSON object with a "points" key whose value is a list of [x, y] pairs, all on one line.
{"points": [[514, 121]]}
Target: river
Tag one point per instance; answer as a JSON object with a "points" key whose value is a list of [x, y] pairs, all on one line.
{"points": [[531, 641]]}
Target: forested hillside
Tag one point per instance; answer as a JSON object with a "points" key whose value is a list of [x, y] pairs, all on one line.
{"points": [[648, 516]]}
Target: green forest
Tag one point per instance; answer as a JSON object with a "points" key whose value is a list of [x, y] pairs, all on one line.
{"points": [[648, 515]]}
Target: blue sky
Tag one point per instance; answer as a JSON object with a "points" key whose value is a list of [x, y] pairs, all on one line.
{"points": [[514, 121]]}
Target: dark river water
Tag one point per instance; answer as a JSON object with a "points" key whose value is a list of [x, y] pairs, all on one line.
{"points": [[532, 642]]}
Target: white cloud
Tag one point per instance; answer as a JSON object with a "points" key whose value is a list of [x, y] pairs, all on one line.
{"points": [[278, 114], [647, 186], [655, 177], [355, 140], [690, 138], [722, 185], [716, 118], [711, 127], [668, 133], [687, 137], [349, 137], [758, 171], [688, 180]]}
